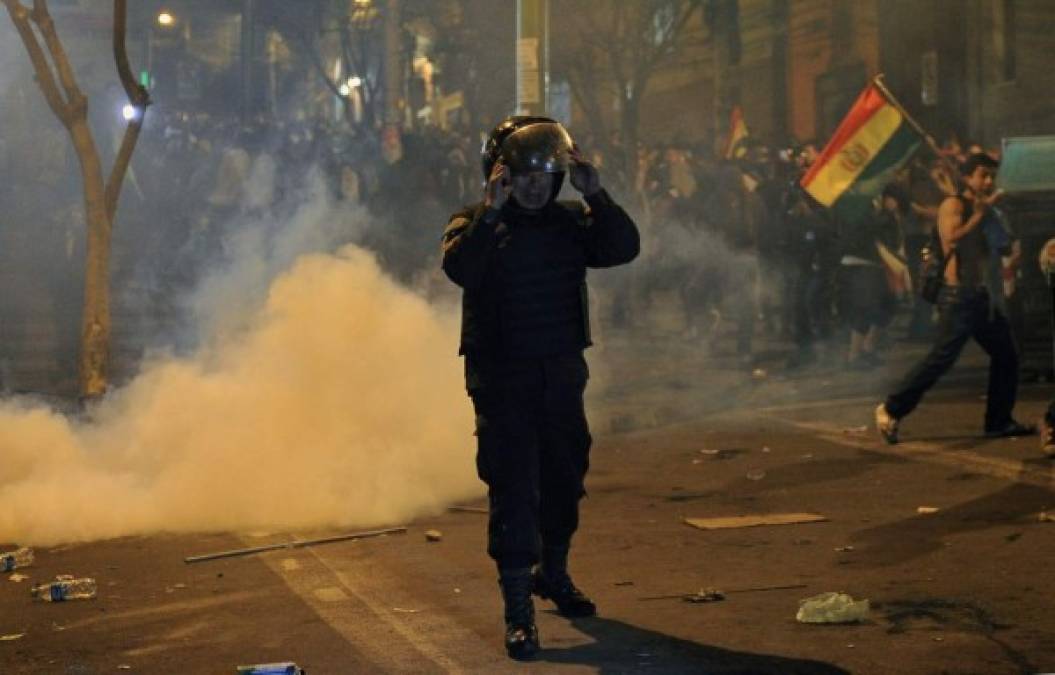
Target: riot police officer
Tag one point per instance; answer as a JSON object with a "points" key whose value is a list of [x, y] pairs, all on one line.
{"points": [[521, 258]]}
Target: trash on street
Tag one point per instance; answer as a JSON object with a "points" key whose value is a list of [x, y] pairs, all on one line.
{"points": [[730, 522], [285, 668], [294, 544], [715, 595], [433, 535], [11, 560], [832, 607], [64, 588], [926, 510]]}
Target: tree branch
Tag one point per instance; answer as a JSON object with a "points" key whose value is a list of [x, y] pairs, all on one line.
{"points": [[140, 99], [137, 93], [78, 103], [20, 18]]}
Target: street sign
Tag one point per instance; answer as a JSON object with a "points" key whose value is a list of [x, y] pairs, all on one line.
{"points": [[1027, 164]]}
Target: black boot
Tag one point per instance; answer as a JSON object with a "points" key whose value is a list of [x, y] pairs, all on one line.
{"points": [[552, 582], [521, 633]]}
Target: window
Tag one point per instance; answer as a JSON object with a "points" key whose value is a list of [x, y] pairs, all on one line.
{"points": [[663, 23]]}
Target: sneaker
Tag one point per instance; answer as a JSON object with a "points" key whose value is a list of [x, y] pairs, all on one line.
{"points": [[886, 425], [1010, 429]]}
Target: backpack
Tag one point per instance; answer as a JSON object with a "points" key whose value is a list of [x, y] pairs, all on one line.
{"points": [[933, 262]]}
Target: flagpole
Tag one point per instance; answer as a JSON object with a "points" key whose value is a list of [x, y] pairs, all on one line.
{"points": [[878, 82]]}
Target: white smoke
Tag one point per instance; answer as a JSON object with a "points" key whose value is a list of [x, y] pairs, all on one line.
{"points": [[326, 395]]}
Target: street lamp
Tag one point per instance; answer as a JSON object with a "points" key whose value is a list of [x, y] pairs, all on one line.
{"points": [[166, 19]]}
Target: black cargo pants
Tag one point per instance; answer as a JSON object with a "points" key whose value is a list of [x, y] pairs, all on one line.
{"points": [[965, 313], [533, 446]]}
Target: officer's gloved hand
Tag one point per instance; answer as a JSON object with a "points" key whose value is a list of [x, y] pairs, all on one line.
{"points": [[584, 175]]}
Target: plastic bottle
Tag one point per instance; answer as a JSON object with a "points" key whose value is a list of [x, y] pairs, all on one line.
{"points": [[23, 557], [65, 587], [286, 668]]}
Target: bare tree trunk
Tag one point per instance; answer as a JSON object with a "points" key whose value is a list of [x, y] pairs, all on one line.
{"points": [[100, 195], [95, 320]]}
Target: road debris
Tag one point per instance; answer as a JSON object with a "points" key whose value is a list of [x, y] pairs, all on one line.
{"points": [[433, 535], [832, 607], [403, 610], [11, 560], [294, 544], [285, 668], [17, 578], [467, 509], [710, 451], [731, 522], [759, 374], [11, 637], [757, 474], [765, 448], [927, 510], [64, 588], [715, 595]]}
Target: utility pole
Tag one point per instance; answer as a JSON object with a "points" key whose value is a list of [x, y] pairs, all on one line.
{"points": [[391, 141], [532, 57], [247, 48]]}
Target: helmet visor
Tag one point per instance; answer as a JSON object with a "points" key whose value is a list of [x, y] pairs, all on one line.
{"points": [[544, 147]]}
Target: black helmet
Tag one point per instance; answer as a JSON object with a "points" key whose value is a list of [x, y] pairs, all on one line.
{"points": [[528, 143]]}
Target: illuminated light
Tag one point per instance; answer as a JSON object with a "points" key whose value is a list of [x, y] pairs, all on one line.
{"points": [[166, 19], [354, 82], [344, 89], [129, 112]]}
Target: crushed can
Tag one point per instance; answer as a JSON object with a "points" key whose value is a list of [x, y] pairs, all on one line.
{"points": [[285, 668]]}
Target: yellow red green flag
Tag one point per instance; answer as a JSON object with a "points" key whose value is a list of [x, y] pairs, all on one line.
{"points": [[872, 142], [737, 132]]}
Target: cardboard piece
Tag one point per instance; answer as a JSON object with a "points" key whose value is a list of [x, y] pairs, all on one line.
{"points": [[755, 521]]}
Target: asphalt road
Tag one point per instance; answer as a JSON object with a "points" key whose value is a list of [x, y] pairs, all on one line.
{"points": [[965, 589]]}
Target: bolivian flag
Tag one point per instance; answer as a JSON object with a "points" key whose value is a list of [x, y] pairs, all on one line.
{"points": [[870, 145], [737, 133]]}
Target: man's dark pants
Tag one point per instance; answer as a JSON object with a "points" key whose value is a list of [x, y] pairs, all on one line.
{"points": [[533, 447], [964, 313]]}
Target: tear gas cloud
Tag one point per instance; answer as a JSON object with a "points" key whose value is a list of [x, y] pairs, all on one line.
{"points": [[335, 401]]}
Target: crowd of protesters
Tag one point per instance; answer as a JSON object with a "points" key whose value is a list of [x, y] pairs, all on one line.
{"points": [[741, 243], [733, 242]]}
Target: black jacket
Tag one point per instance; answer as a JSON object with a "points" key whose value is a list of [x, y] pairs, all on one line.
{"points": [[524, 272]]}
